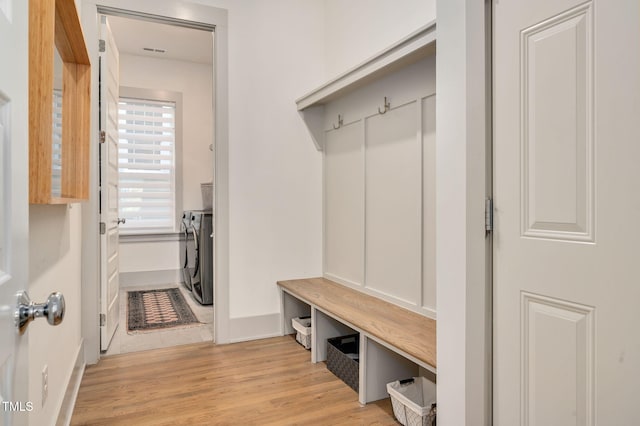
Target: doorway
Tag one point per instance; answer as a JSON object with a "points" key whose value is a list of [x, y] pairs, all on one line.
{"points": [[164, 175], [139, 271]]}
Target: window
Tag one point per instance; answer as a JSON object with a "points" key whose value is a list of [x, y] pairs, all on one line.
{"points": [[147, 165], [56, 145]]}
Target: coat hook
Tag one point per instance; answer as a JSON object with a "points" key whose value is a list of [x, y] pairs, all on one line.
{"points": [[387, 106], [339, 123]]}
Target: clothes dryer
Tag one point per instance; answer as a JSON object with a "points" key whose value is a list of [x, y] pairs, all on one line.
{"points": [[202, 275], [187, 250]]}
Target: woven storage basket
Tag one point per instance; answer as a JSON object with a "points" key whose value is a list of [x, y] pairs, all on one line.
{"points": [[302, 325], [342, 358], [413, 401]]}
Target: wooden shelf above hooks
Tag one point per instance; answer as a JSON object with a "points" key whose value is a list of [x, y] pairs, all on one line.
{"points": [[411, 49]]}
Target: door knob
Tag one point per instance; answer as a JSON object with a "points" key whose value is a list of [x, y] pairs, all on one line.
{"points": [[53, 309], [122, 220]]}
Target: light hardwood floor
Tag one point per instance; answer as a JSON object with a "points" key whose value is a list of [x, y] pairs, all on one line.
{"points": [[263, 382]]}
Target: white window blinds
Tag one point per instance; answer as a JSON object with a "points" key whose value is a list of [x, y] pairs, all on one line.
{"points": [[146, 160], [56, 151]]}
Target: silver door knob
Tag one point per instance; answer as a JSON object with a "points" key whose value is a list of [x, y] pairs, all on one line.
{"points": [[122, 220], [53, 309]]}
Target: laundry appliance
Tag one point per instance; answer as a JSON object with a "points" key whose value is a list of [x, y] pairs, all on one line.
{"points": [[202, 274], [187, 249]]}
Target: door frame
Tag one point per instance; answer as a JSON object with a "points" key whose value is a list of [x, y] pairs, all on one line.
{"points": [[463, 183], [172, 10]]}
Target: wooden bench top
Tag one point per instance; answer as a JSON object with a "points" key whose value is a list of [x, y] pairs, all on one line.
{"points": [[408, 331]]}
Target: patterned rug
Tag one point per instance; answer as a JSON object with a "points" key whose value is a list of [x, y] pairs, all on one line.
{"points": [[158, 309]]}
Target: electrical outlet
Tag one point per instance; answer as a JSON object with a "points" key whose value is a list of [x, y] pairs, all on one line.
{"points": [[45, 384]]}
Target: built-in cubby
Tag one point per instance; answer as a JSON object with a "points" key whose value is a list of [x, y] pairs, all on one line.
{"points": [[324, 327], [394, 343], [380, 365], [375, 126]]}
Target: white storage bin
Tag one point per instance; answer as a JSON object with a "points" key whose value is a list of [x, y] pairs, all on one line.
{"points": [[413, 401], [302, 325]]}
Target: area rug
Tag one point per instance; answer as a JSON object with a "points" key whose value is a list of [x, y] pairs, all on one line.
{"points": [[149, 310]]}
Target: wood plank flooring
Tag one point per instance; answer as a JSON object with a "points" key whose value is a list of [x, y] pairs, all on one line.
{"points": [[262, 382]]}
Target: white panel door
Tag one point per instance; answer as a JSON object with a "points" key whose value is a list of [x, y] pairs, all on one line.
{"points": [[109, 259], [567, 212], [14, 208]]}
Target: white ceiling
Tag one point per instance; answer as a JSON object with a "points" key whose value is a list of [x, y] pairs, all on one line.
{"points": [[182, 44]]}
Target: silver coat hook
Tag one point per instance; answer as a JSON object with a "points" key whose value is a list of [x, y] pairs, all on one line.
{"points": [[339, 123], [387, 106]]}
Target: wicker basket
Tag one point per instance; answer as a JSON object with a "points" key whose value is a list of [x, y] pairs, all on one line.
{"points": [[413, 401], [302, 325], [342, 358]]}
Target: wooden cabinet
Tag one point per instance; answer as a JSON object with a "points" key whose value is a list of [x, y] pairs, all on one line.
{"points": [[55, 24]]}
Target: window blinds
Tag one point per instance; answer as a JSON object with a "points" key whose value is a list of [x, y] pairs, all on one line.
{"points": [[56, 151], [146, 163]]}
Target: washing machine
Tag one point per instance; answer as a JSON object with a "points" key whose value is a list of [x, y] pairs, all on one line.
{"points": [[202, 275], [187, 250]]}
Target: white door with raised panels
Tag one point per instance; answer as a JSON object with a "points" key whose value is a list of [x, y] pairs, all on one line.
{"points": [[110, 270], [14, 208], [567, 212]]}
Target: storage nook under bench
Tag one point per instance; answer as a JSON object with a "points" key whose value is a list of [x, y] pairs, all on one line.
{"points": [[395, 343]]}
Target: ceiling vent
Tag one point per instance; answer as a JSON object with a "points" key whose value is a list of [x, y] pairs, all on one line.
{"points": [[151, 49]]}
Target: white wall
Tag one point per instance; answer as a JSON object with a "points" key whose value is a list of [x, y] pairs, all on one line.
{"points": [[355, 30], [54, 265], [194, 81], [275, 201], [145, 256]]}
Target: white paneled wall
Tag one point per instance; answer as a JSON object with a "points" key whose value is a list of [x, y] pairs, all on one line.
{"points": [[344, 203], [393, 214], [429, 203], [379, 189]]}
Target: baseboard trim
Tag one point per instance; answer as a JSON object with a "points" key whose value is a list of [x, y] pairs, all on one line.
{"points": [[166, 276], [254, 328], [73, 386]]}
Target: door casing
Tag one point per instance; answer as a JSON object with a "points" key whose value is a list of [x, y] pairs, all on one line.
{"points": [[177, 12]]}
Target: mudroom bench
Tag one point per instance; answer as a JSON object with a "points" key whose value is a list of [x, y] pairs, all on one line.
{"points": [[395, 343]]}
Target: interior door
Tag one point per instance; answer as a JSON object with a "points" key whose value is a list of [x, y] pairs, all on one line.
{"points": [[567, 199], [109, 281], [14, 208]]}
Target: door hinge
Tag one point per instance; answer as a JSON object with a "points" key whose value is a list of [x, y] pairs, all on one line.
{"points": [[103, 136], [488, 215], [103, 228], [103, 320], [102, 46]]}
